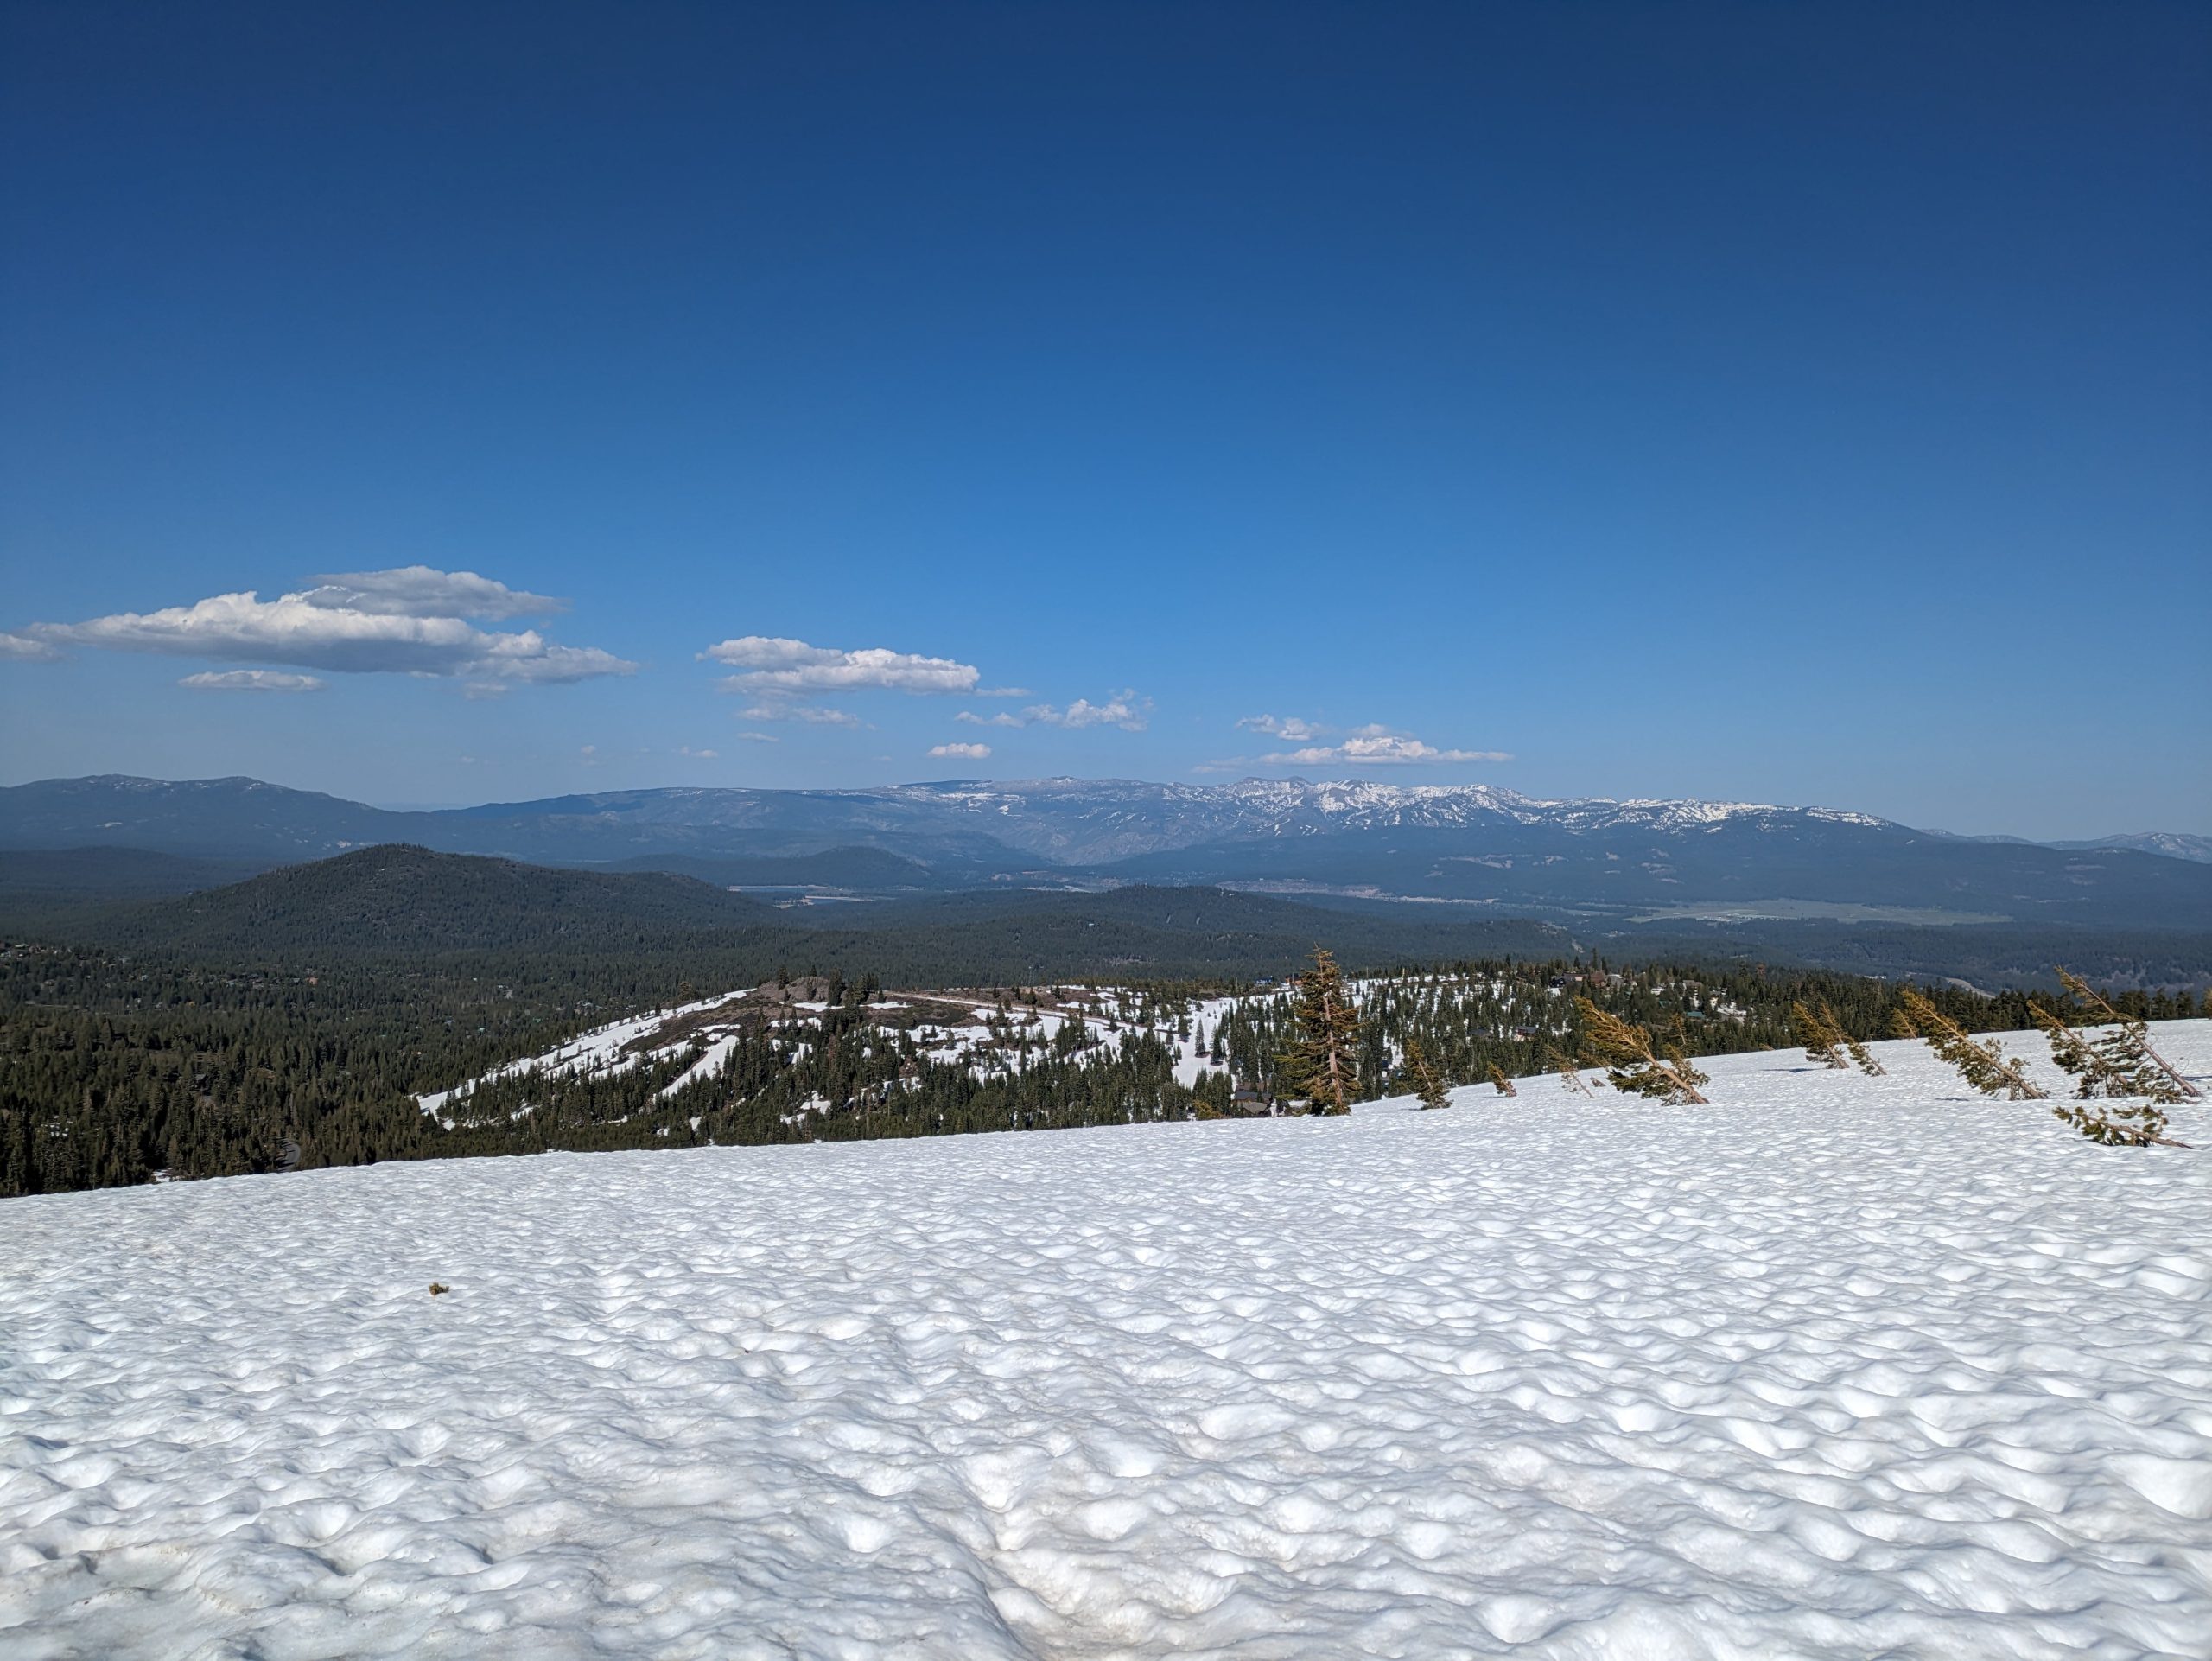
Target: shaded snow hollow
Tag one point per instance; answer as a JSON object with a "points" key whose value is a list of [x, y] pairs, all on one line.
{"points": [[1837, 1367]]}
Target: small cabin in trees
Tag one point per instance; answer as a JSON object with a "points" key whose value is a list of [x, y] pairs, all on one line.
{"points": [[1246, 1102]]}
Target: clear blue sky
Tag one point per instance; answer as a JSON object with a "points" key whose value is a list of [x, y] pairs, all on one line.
{"points": [[1772, 402]]}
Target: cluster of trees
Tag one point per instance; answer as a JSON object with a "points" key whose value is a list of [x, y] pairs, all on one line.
{"points": [[116, 1066], [2123, 1084]]}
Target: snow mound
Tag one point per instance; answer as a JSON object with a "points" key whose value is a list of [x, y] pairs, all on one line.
{"points": [[1837, 1367]]}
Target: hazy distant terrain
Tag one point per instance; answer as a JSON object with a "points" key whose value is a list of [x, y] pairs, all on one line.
{"points": [[1475, 847]]}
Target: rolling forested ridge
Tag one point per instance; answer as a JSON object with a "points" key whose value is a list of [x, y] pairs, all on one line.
{"points": [[290, 1020], [293, 1022]]}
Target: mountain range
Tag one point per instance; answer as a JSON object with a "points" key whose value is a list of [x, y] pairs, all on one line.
{"points": [[1342, 842]]}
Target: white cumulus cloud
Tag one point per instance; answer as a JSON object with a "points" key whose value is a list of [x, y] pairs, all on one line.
{"points": [[1290, 730], [960, 752], [312, 630], [253, 680], [772, 664], [1378, 746]]}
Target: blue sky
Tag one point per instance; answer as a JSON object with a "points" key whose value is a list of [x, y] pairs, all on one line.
{"points": [[1788, 404]]}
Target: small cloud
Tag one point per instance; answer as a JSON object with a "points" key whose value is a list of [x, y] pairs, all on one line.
{"points": [[479, 691], [813, 715], [1378, 746], [253, 680], [759, 738], [960, 752], [20, 648], [1002, 692], [774, 664], [699, 755], [1123, 709], [1292, 729]]}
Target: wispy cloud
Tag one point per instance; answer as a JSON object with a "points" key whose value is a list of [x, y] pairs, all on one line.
{"points": [[699, 755], [1290, 730], [317, 629], [960, 752], [759, 738], [22, 649], [421, 591], [1124, 710], [813, 715], [253, 680]]}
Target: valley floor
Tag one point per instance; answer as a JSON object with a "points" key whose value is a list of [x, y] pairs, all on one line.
{"points": [[1836, 1367]]}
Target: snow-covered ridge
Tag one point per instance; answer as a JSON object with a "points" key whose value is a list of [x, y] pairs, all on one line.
{"points": [[1838, 1366], [956, 1028], [1259, 807]]}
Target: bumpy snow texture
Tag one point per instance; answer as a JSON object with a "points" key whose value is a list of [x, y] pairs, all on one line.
{"points": [[1836, 1367]]}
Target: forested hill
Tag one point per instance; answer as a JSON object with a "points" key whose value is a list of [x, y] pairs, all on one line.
{"points": [[396, 903], [398, 898]]}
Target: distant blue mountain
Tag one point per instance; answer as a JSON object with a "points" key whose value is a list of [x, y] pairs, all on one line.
{"points": [[1466, 846]]}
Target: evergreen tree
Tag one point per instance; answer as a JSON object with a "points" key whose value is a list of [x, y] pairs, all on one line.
{"points": [[1817, 1032], [2135, 1083], [1429, 1084], [2125, 1050], [1499, 1082], [1633, 1062], [1981, 1062], [1322, 1065]]}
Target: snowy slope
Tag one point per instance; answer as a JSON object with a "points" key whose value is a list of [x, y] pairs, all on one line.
{"points": [[1838, 1367]]}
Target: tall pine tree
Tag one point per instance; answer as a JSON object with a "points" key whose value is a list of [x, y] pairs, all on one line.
{"points": [[1322, 1065]]}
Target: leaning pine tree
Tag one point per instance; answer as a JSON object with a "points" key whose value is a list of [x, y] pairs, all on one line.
{"points": [[1499, 1082], [1323, 1062], [1633, 1062], [1826, 1041], [1822, 1042], [1429, 1084], [2126, 1050], [1981, 1062], [2118, 1065]]}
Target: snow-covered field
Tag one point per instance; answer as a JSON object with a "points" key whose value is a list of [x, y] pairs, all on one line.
{"points": [[1837, 1367]]}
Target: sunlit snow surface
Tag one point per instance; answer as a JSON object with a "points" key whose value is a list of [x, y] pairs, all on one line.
{"points": [[1838, 1367]]}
